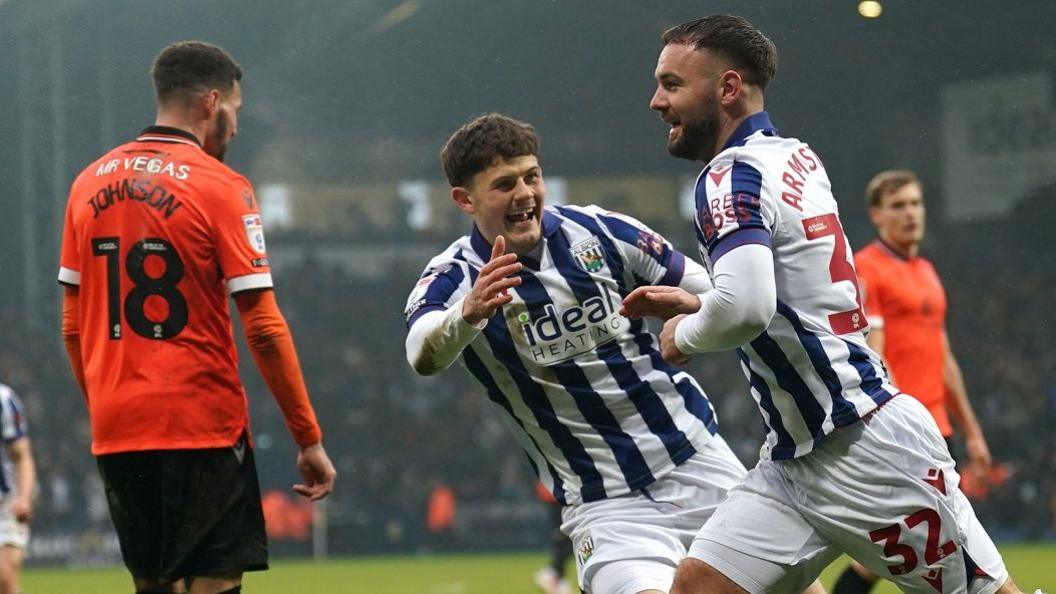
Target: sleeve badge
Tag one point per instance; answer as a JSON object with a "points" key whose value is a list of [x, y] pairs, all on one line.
{"points": [[254, 232]]}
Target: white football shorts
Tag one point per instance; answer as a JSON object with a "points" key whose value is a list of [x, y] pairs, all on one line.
{"points": [[635, 542], [883, 490], [12, 532]]}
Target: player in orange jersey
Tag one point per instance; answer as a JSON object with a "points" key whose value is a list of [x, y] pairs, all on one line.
{"points": [[906, 307], [158, 233]]}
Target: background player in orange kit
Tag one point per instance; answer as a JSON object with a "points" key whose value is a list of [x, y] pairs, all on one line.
{"points": [[906, 307], [158, 232]]}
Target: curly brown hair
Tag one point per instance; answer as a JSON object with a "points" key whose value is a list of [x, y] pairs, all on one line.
{"points": [[477, 144]]}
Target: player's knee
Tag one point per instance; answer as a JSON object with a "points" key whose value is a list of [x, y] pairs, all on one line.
{"points": [[695, 576]]}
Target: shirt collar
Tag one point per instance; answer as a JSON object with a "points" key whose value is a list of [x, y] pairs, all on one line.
{"points": [[168, 134], [551, 223], [891, 251], [754, 123]]}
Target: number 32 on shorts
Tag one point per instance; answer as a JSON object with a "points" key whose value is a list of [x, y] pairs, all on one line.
{"points": [[933, 551]]}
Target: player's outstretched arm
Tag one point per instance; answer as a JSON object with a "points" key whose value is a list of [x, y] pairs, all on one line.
{"points": [[666, 302], [273, 351], [695, 278], [736, 311], [659, 302], [437, 338]]}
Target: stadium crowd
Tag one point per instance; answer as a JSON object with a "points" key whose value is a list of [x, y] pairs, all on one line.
{"points": [[396, 437]]}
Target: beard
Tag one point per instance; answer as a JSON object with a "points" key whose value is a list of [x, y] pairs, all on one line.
{"points": [[699, 135], [218, 145]]}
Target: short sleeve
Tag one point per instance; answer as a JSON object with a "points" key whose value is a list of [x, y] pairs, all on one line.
{"points": [[650, 256], [441, 284], [69, 256], [12, 418], [734, 208], [869, 284], [238, 236]]}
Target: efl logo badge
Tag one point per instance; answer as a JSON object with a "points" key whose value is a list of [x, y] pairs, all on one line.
{"points": [[588, 255], [254, 232]]}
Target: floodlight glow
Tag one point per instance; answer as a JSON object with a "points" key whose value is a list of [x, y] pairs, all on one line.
{"points": [[870, 9]]}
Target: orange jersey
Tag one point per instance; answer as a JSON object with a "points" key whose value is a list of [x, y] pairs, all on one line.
{"points": [[157, 234], [906, 299]]}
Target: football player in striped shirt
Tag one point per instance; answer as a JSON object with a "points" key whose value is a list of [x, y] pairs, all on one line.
{"points": [[529, 302], [18, 479], [848, 464]]}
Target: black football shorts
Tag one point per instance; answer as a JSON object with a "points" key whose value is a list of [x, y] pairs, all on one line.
{"points": [[181, 513]]}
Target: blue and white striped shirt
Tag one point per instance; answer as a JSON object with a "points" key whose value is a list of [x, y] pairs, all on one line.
{"points": [[810, 371], [583, 389], [12, 427]]}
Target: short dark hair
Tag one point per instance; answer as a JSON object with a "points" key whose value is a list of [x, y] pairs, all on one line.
{"points": [[733, 38], [193, 66], [476, 144], [885, 182]]}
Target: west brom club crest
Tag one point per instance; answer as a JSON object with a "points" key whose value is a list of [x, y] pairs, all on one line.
{"points": [[588, 255]]}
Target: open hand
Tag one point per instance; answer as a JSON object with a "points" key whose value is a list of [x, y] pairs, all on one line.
{"points": [[660, 302], [489, 293]]}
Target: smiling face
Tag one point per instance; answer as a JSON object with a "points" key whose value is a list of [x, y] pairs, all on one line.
{"points": [[687, 98], [506, 199], [899, 217]]}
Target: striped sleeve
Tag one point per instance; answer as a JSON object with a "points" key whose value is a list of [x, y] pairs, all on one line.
{"points": [[650, 256], [735, 208], [12, 418], [441, 284]]}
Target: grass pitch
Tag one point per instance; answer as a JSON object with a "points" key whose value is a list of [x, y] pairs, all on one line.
{"points": [[1033, 566]]}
